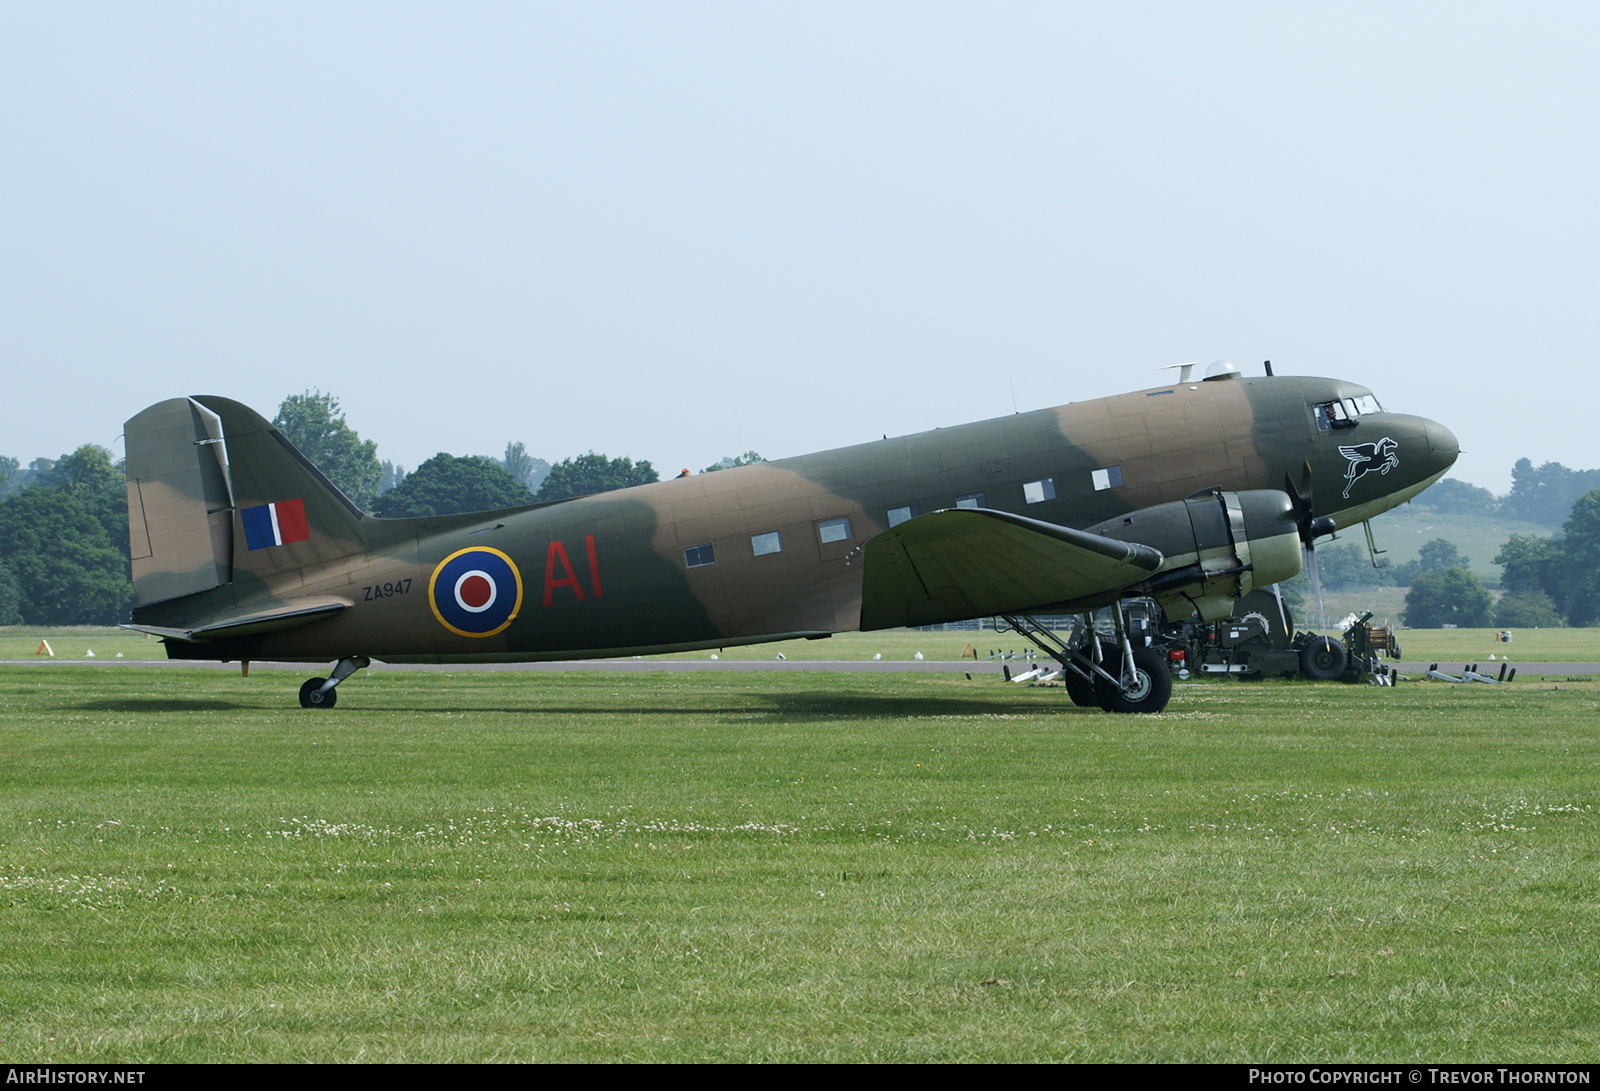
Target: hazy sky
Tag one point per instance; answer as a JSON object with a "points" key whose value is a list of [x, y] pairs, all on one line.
{"points": [[675, 231]]}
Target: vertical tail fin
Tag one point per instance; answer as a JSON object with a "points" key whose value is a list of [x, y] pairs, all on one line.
{"points": [[180, 522], [216, 496]]}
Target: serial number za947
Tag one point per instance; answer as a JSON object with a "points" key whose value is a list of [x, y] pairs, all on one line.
{"points": [[384, 590]]}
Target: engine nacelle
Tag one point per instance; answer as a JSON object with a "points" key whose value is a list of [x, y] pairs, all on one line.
{"points": [[1218, 546]]}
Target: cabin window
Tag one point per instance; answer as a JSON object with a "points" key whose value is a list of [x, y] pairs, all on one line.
{"points": [[1037, 492], [699, 556], [971, 500], [833, 530], [770, 542], [900, 515], [1107, 477]]}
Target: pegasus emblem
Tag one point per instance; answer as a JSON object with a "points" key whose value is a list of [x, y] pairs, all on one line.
{"points": [[1365, 458]]}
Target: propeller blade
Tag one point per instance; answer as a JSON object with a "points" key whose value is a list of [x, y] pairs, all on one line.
{"points": [[1311, 526]]}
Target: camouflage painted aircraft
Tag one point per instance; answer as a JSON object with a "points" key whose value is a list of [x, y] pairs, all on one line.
{"points": [[1193, 494]]}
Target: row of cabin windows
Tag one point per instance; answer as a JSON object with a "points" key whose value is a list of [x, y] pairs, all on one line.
{"points": [[828, 530], [838, 530]]}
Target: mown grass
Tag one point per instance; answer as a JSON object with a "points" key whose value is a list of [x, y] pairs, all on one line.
{"points": [[1461, 645], [791, 867], [1526, 646]]}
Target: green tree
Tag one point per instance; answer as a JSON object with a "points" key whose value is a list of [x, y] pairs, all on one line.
{"points": [[10, 596], [749, 458], [1527, 563], [392, 475], [66, 568], [593, 473], [1527, 610], [29, 475], [101, 486], [447, 485], [1346, 567], [8, 472], [527, 470], [1441, 556], [1453, 497], [315, 424], [1437, 555], [1453, 597], [1545, 494], [1579, 571]]}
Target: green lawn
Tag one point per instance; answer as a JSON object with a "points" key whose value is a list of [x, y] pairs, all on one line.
{"points": [[1465, 645], [792, 867], [1477, 645]]}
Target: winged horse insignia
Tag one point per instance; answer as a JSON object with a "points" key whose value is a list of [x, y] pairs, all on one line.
{"points": [[1365, 458]]}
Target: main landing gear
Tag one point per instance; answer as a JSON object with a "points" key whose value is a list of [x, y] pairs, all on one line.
{"points": [[1112, 674], [319, 692]]}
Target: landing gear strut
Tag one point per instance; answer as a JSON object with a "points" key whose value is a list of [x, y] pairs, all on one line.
{"points": [[319, 692], [1112, 674], [1146, 685]]}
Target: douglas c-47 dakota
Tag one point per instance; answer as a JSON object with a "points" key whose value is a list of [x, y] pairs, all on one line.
{"points": [[1192, 494]]}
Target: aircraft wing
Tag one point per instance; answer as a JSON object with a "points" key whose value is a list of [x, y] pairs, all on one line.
{"points": [[287, 616], [975, 562]]}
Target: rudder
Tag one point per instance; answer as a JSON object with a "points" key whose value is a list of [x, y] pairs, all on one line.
{"points": [[216, 495]]}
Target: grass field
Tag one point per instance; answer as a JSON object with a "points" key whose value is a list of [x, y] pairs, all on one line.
{"points": [[792, 867], [1459, 645]]}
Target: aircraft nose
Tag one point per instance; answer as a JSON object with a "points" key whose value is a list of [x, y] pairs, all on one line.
{"points": [[1442, 441], [1442, 444]]}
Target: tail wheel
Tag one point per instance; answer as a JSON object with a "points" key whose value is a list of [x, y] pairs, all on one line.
{"points": [[311, 695], [1152, 683], [1323, 659]]}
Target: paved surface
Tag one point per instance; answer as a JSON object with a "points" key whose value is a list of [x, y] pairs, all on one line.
{"points": [[623, 665], [884, 666]]}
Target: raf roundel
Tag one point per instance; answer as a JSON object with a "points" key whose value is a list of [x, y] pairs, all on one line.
{"points": [[475, 592]]}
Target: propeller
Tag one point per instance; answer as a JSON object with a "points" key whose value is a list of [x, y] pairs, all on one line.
{"points": [[1311, 527]]}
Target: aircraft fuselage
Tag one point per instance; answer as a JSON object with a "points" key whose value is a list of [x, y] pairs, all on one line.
{"points": [[776, 550]]}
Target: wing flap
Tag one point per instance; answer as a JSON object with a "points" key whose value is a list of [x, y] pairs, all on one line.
{"points": [[975, 562]]}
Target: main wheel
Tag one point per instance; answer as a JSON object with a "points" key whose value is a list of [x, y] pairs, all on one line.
{"points": [[311, 695], [1080, 689], [1323, 659], [1152, 686]]}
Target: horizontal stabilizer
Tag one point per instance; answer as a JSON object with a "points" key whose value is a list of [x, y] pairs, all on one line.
{"points": [[286, 616], [975, 562]]}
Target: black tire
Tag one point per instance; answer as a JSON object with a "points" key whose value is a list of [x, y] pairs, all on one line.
{"points": [[1323, 659], [311, 695], [1152, 691], [1080, 689]]}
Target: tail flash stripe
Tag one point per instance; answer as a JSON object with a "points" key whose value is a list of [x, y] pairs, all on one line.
{"points": [[275, 524], [292, 525]]}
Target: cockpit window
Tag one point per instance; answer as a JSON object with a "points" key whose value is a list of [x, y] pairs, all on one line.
{"points": [[1334, 415], [1345, 412]]}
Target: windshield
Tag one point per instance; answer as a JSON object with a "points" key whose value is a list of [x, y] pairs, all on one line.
{"points": [[1345, 412]]}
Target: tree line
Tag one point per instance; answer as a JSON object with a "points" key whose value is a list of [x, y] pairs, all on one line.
{"points": [[1546, 582], [64, 522], [1539, 494]]}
